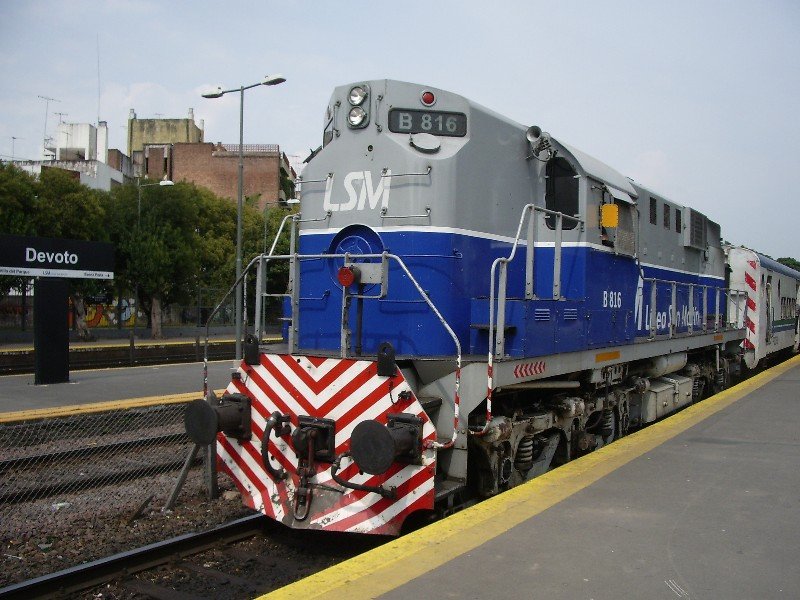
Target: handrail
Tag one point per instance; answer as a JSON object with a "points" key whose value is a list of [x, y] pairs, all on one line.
{"points": [[673, 308], [497, 330], [295, 257]]}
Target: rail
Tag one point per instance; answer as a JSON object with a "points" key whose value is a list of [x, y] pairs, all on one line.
{"points": [[88, 575]]}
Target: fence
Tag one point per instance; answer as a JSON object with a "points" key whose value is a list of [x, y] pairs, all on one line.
{"points": [[56, 463]]}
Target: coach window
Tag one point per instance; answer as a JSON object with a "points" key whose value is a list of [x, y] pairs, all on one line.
{"points": [[666, 216], [677, 220], [561, 192], [653, 211]]}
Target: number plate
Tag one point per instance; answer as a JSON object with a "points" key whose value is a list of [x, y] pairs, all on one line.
{"points": [[436, 122]]}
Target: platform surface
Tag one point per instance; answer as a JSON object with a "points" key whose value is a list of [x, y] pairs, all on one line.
{"points": [[705, 504], [18, 392]]}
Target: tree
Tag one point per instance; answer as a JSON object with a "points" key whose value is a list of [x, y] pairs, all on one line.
{"points": [[156, 242], [17, 208]]}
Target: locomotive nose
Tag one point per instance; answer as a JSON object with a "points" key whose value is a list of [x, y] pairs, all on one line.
{"points": [[374, 447]]}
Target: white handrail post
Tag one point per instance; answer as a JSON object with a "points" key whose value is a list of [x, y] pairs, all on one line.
{"points": [[557, 258], [529, 256]]}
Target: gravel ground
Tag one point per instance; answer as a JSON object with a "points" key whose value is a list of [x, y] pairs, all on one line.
{"points": [[49, 535]]}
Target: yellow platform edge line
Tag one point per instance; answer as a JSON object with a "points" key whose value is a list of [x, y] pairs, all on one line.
{"points": [[404, 559], [97, 407]]}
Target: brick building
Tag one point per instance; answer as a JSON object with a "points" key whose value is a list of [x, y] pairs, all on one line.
{"points": [[216, 167], [158, 133], [174, 148]]}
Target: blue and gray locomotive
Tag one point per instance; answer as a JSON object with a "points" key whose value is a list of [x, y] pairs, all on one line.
{"points": [[470, 303]]}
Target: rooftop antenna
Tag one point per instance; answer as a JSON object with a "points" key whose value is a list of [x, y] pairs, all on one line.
{"points": [[13, 140], [61, 116], [98, 80], [47, 101]]}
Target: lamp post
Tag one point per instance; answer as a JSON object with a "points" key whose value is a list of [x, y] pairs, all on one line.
{"points": [[139, 186], [218, 93]]}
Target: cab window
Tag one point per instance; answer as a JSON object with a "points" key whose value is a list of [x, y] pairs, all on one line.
{"points": [[561, 192]]}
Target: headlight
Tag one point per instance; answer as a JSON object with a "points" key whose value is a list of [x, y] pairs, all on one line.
{"points": [[356, 116], [357, 95]]}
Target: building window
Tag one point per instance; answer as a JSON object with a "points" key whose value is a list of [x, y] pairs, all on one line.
{"points": [[653, 211], [678, 221], [666, 216]]}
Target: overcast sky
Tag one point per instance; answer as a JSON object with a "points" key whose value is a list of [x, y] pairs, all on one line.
{"points": [[695, 99]]}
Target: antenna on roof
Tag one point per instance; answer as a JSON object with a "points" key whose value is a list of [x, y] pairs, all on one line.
{"points": [[47, 101], [98, 79]]}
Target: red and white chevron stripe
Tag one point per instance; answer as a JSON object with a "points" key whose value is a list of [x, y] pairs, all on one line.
{"points": [[530, 369], [347, 391], [751, 317]]}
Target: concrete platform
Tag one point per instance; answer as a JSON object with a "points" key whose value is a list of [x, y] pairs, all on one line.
{"points": [[705, 504], [18, 392]]}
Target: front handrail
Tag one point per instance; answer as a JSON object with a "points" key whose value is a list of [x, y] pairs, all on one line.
{"points": [[293, 294]]}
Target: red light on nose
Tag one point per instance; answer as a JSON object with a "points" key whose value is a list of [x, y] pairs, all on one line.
{"points": [[428, 98], [347, 276]]}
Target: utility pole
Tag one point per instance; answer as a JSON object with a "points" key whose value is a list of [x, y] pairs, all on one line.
{"points": [[47, 101]]}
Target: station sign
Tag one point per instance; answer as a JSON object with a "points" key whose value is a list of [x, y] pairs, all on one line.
{"points": [[23, 256]]}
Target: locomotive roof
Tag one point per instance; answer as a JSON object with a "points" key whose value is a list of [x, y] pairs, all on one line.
{"points": [[600, 171]]}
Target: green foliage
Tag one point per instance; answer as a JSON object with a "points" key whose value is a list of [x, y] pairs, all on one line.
{"points": [[66, 209], [153, 229], [170, 241], [18, 192], [287, 185]]}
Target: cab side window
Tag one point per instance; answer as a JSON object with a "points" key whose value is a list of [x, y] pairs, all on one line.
{"points": [[561, 192]]}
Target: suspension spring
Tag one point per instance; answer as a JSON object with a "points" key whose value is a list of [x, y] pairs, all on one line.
{"points": [[523, 459], [607, 423]]}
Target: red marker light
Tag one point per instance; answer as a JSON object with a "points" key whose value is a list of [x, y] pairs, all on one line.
{"points": [[428, 98], [347, 276]]}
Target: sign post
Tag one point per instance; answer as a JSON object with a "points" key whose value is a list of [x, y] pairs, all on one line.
{"points": [[52, 261]]}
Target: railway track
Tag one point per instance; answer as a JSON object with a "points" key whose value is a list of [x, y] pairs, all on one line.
{"points": [[46, 475], [95, 573], [246, 557], [22, 361], [66, 455]]}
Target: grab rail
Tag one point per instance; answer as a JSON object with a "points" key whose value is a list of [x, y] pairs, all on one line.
{"points": [[719, 292], [497, 334], [293, 293]]}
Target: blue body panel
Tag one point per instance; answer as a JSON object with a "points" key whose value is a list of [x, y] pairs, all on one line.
{"points": [[603, 301]]}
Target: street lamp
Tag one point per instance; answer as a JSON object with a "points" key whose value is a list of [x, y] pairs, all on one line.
{"points": [[139, 186], [218, 92]]}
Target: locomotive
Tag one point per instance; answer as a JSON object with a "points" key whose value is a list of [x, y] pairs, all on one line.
{"points": [[471, 303]]}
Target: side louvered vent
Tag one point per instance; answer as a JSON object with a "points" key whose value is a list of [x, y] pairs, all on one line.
{"points": [[570, 314], [695, 234], [541, 314]]}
